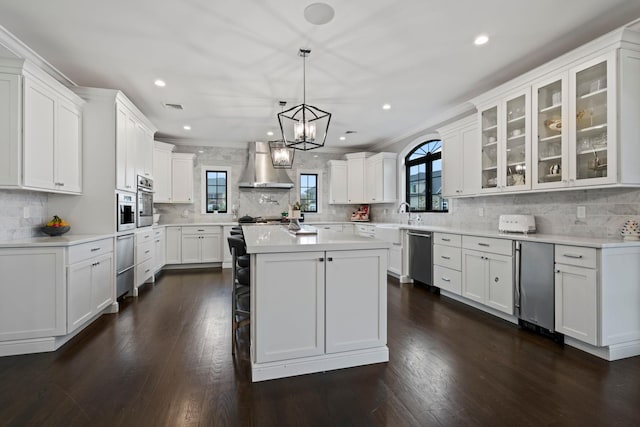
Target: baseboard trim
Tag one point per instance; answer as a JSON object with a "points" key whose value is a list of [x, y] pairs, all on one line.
{"points": [[486, 309], [326, 362], [610, 353]]}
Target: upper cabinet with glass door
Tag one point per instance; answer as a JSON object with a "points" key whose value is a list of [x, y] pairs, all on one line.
{"points": [[506, 136], [593, 122]]}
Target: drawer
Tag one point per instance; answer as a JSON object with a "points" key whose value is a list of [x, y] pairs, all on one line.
{"points": [[205, 229], [144, 271], [144, 251], [332, 227], [447, 256], [447, 279], [576, 255], [89, 250], [144, 236], [447, 239], [487, 244]]}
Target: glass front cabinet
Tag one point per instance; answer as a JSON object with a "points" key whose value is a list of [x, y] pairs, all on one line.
{"points": [[506, 141], [574, 143]]}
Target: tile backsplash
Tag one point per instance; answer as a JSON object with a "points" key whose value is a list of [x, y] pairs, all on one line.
{"points": [[555, 212], [14, 225]]}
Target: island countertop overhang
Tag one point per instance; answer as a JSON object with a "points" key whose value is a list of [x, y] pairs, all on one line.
{"points": [[277, 239]]}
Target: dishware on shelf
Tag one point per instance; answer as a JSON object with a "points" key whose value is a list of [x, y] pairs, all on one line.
{"points": [[554, 124], [556, 98], [630, 230]]}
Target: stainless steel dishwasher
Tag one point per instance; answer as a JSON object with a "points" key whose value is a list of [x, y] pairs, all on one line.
{"points": [[420, 256]]}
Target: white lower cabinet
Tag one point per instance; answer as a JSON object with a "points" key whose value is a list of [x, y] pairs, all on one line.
{"points": [[173, 245], [159, 248], [201, 244], [576, 302], [447, 262], [297, 294], [144, 268], [89, 289], [487, 277]]}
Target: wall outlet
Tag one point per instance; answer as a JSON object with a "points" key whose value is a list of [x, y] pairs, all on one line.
{"points": [[25, 212], [480, 211], [581, 212]]}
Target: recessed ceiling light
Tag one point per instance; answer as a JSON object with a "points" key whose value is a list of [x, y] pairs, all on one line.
{"points": [[386, 107], [481, 39], [270, 133], [318, 13], [186, 127], [200, 151], [342, 138], [160, 83]]}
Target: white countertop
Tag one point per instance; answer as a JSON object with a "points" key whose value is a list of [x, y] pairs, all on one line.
{"points": [[277, 238], [62, 241]]}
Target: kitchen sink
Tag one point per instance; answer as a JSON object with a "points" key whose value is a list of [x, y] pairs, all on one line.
{"points": [[388, 232]]}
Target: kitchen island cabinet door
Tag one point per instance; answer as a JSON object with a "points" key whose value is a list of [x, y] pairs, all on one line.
{"points": [[356, 300], [102, 285], [173, 242], [79, 306], [289, 306]]}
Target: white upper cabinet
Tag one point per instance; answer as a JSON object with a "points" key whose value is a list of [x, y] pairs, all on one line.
{"points": [[460, 158], [144, 151], [505, 139], [338, 182], [126, 148], [182, 178], [162, 171], [380, 178], [41, 129], [355, 177]]}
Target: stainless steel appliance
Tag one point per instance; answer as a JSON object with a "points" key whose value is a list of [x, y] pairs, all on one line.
{"points": [[420, 256], [126, 211], [124, 264], [517, 224], [535, 284], [145, 202]]}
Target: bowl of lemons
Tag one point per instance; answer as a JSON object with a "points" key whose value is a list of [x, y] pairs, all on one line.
{"points": [[56, 227]]}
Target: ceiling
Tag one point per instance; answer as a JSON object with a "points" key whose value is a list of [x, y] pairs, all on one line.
{"points": [[230, 62]]}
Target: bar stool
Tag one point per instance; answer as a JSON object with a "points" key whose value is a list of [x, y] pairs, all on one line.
{"points": [[240, 287]]}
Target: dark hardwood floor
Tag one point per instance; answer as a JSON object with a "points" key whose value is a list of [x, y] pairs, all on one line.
{"points": [[165, 360]]}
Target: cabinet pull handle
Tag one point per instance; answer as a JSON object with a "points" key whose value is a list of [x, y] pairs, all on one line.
{"points": [[445, 240], [200, 229], [445, 257], [321, 259], [158, 241], [575, 256], [147, 270], [445, 279], [330, 259], [95, 249], [146, 252], [484, 244], [557, 271]]}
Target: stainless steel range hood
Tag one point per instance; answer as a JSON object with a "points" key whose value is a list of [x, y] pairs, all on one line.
{"points": [[260, 173]]}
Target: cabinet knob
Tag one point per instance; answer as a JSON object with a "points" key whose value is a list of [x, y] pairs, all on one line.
{"points": [[330, 259], [497, 279], [321, 259]]}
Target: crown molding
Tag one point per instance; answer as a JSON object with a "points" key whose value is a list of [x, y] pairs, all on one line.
{"points": [[21, 50]]}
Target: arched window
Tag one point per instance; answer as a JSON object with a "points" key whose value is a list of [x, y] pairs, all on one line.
{"points": [[424, 178]]}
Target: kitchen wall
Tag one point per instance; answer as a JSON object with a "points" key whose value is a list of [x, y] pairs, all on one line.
{"points": [[555, 212], [253, 202], [13, 224]]}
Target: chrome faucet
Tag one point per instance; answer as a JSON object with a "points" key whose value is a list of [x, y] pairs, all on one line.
{"points": [[407, 210]]}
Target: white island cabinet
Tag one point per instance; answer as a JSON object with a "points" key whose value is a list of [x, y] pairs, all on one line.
{"points": [[318, 302]]}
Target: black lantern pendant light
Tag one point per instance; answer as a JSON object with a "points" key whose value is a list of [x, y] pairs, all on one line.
{"points": [[281, 154], [304, 127]]}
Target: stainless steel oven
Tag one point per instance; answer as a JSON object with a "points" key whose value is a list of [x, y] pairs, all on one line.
{"points": [[126, 211], [145, 202]]}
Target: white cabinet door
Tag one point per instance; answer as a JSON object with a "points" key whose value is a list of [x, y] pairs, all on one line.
{"points": [[290, 321], [39, 135], [161, 175], [191, 248], [173, 247], [34, 293], [356, 279], [338, 182], [144, 151], [79, 301], [211, 245], [131, 179], [500, 282], [10, 129], [576, 306], [460, 158], [395, 259], [372, 186], [452, 166], [102, 284], [355, 180], [68, 148], [182, 178], [126, 136], [159, 250], [473, 275]]}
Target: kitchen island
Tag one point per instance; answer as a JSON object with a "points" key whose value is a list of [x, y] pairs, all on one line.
{"points": [[318, 301]]}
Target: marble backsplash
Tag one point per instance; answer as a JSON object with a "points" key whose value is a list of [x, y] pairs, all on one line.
{"points": [[555, 212], [253, 202], [12, 208]]}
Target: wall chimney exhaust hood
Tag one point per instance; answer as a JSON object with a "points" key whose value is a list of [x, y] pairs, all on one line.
{"points": [[260, 172]]}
